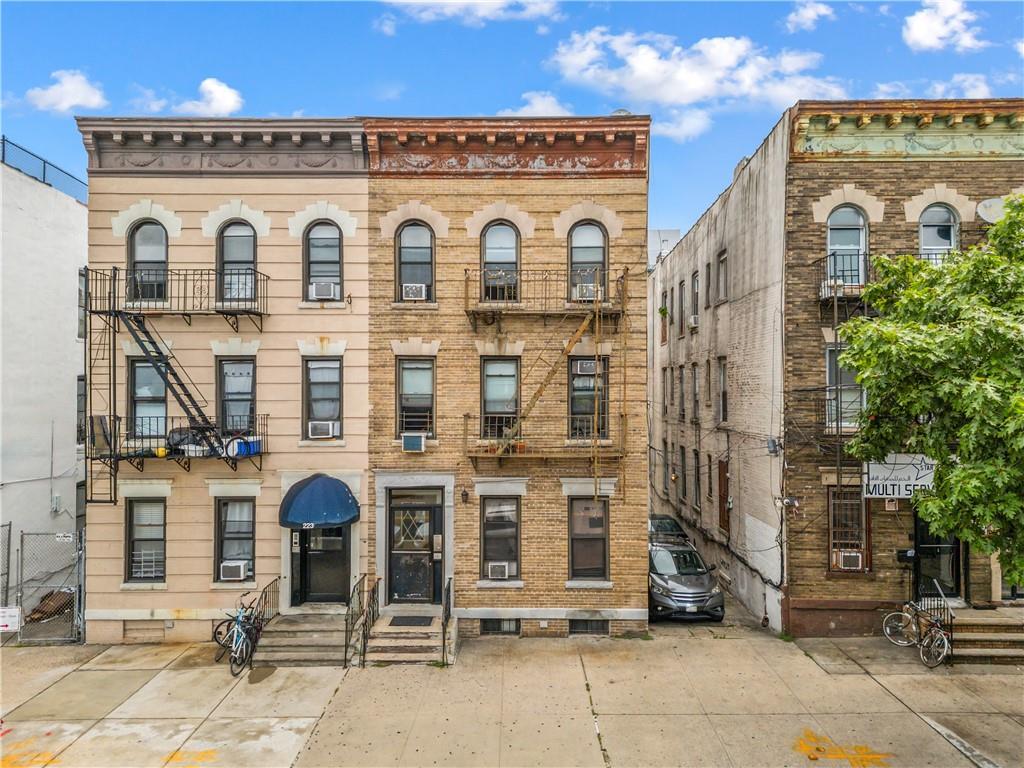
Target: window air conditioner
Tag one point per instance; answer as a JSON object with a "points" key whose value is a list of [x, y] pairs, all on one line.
{"points": [[322, 430], [585, 367], [414, 292], [233, 570], [497, 571], [587, 292], [851, 560], [324, 291], [693, 321], [414, 442]]}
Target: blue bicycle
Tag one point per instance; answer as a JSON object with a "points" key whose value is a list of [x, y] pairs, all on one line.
{"points": [[236, 635]]}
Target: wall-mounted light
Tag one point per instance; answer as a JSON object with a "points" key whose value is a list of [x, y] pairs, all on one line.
{"points": [[465, 496]]}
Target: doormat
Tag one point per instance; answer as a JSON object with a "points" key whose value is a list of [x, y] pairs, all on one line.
{"points": [[411, 621]]}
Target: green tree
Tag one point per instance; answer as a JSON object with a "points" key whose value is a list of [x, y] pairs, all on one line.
{"points": [[943, 369]]}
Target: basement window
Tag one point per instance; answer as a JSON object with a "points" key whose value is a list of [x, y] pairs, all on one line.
{"points": [[588, 626], [499, 626]]}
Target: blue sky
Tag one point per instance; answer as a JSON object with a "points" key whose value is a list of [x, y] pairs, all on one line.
{"points": [[715, 76]]}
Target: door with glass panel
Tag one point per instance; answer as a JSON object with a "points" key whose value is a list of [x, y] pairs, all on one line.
{"points": [[937, 561], [416, 556], [324, 554]]}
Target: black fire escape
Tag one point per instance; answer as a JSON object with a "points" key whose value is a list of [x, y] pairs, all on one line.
{"points": [[131, 300]]}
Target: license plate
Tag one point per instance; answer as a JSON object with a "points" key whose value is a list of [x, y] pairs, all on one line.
{"points": [[691, 609]]}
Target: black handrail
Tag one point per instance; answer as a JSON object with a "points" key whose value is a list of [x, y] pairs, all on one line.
{"points": [[446, 614], [371, 612], [31, 164], [262, 610], [353, 613]]}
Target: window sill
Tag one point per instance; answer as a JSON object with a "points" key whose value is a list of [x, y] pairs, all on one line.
{"points": [[143, 586], [840, 575], [412, 306], [321, 443], [233, 585], [322, 305], [720, 302], [585, 443], [586, 584], [509, 584]]}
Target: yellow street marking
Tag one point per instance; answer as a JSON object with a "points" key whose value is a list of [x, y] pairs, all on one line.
{"points": [[818, 747], [191, 758], [20, 754]]}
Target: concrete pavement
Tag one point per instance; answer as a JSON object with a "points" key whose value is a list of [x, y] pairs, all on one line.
{"points": [[692, 695]]}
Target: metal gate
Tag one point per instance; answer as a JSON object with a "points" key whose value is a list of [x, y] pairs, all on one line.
{"points": [[50, 587], [5, 563]]}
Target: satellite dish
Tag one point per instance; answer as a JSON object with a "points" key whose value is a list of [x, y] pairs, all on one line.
{"points": [[991, 210]]}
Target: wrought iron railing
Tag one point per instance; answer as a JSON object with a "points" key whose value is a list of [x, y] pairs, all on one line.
{"points": [[504, 435], [353, 614], [446, 615], [371, 611], [416, 422], [159, 290], [263, 609], [843, 275], [938, 609], [16, 156], [837, 409], [177, 437], [543, 290]]}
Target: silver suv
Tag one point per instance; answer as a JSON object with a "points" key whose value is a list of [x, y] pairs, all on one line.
{"points": [[681, 585]]}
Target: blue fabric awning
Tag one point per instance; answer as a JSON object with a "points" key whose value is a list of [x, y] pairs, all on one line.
{"points": [[318, 501]]}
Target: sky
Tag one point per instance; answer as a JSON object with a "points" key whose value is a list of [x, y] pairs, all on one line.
{"points": [[715, 76]]}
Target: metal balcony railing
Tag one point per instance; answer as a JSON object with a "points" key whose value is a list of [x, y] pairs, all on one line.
{"points": [[157, 290], [574, 436], [543, 291], [837, 410], [843, 275], [176, 437]]}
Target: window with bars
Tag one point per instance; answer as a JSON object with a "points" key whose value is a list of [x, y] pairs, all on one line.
{"points": [[146, 539], [588, 626], [415, 396], [499, 626], [847, 525]]}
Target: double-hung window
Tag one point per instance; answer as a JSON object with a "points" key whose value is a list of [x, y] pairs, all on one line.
{"points": [[723, 390], [236, 537], [696, 478], [323, 262], [499, 533], [682, 306], [844, 398], [847, 242], [682, 392], [237, 263], [695, 296], [322, 389], [664, 313], [681, 478], [666, 466], [500, 257], [847, 530], [500, 395], [80, 411], [588, 398], [146, 540], [939, 233], [707, 285], [695, 391], [415, 263], [723, 277], [587, 262], [147, 263], [416, 395], [148, 406], [237, 395], [588, 538]]}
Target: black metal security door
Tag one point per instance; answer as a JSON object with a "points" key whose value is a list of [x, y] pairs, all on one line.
{"points": [[415, 554], [324, 554]]}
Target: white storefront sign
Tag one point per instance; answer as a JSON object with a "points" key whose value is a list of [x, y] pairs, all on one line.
{"points": [[898, 476], [10, 619]]}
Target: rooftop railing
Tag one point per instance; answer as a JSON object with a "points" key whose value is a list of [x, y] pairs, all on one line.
{"points": [[31, 164]]}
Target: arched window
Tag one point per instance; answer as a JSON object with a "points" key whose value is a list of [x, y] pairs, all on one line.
{"points": [[323, 262], [415, 262], [238, 262], [499, 255], [587, 262], [847, 244], [938, 232], [147, 262]]}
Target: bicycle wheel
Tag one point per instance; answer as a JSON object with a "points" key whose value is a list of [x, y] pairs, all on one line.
{"points": [[240, 654], [897, 627], [225, 646], [222, 631], [934, 648]]}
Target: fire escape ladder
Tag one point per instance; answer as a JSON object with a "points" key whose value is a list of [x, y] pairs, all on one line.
{"points": [[513, 431], [101, 427], [163, 363]]}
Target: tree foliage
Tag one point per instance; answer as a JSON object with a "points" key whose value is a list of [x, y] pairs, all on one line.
{"points": [[943, 369]]}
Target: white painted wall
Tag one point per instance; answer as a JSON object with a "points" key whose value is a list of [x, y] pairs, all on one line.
{"points": [[42, 247]]}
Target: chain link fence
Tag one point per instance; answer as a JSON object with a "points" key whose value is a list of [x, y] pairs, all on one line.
{"points": [[5, 564], [49, 587]]}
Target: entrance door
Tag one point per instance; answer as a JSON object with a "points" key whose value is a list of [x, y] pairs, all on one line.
{"points": [[324, 557], [415, 555], [938, 560]]}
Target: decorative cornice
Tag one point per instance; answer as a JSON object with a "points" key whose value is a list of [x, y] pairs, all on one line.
{"points": [[146, 209], [499, 210], [957, 129], [848, 193], [257, 146], [940, 193], [570, 146], [414, 210], [588, 209], [321, 210]]}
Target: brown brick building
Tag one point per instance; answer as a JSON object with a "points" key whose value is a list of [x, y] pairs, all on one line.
{"points": [[750, 409], [507, 385]]}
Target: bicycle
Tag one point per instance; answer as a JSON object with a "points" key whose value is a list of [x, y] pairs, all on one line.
{"points": [[239, 637], [902, 628], [935, 647]]}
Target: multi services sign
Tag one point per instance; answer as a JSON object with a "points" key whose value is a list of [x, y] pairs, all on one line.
{"points": [[898, 476]]}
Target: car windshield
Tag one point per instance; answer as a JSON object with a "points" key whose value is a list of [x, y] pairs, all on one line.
{"points": [[665, 525], [676, 562]]}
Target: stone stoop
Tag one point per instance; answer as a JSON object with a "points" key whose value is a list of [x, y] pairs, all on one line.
{"points": [[404, 645], [988, 640], [303, 640]]}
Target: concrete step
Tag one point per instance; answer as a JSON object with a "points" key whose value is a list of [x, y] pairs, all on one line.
{"points": [[396, 641], [302, 638], [394, 657], [293, 657], [989, 655], [275, 628], [988, 639], [987, 625], [431, 636]]}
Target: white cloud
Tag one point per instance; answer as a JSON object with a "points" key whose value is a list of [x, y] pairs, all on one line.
{"points": [[961, 86], [216, 99], [894, 89], [386, 24], [806, 13], [683, 125], [941, 24], [476, 13], [389, 91], [543, 29], [538, 104], [885, 10], [1019, 45], [147, 101], [73, 90]]}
